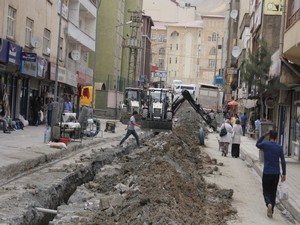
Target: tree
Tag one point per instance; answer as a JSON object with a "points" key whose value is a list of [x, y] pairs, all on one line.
{"points": [[255, 72]]}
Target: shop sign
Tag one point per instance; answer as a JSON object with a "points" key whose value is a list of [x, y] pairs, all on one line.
{"points": [[42, 67], [29, 63], [71, 78], [3, 50], [161, 74], [14, 53], [61, 74], [81, 77]]}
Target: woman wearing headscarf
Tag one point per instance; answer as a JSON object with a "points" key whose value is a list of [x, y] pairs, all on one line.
{"points": [[237, 132], [225, 140]]}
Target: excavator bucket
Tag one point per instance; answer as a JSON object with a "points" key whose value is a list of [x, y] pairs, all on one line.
{"points": [[157, 126]]}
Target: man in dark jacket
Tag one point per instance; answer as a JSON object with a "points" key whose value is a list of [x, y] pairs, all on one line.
{"points": [[271, 173]]}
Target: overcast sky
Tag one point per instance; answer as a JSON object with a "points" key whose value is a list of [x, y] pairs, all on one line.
{"points": [[208, 6]]}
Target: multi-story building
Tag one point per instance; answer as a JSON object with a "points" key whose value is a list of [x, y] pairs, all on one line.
{"points": [[289, 97], [45, 49], [277, 22], [184, 47], [118, 53]]}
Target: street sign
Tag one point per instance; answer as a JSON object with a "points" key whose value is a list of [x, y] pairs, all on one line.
{"points": [[161, 74], [219, 79]]}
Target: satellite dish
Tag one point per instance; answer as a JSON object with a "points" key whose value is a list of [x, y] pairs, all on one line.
{"points": [[36, 42], [234, 13], [75, 55], [236, 51]]}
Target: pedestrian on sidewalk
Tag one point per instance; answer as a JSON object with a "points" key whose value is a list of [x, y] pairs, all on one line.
{"points": [[237, 132], [271, 172], [257, 126], [131, 129], [225, 140], [243, 122]]}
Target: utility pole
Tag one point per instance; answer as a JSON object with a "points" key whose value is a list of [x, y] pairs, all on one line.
{"points": [[134, 44]]}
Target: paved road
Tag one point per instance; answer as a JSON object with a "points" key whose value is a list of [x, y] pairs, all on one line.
{"points": [[246, 183]]}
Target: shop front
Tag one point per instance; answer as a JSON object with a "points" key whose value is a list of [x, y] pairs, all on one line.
{"points": [[10, 61]]}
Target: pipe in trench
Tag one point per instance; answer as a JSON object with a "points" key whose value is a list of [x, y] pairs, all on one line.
{"points": [[51, 211]]}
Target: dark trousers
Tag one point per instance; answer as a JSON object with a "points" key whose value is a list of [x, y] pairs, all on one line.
{"points": [[235, 150], [269, 184], [49, 117], [244, 129], [131, 132]]}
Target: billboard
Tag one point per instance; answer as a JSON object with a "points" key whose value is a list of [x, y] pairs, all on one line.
{"points": [[273, 7]]}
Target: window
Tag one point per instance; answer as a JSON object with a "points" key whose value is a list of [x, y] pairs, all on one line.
{"points": [[176, 60], [28, 32], [211, 63], [46, 42], [176, 46], [161, 63], [170, 60], [213, 51], [170, 46], [161, 51], [61, 42], [175, 73], [214, 37], [11, 17]]}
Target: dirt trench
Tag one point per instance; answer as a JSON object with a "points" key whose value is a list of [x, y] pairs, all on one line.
{"points": [[161, 183]]}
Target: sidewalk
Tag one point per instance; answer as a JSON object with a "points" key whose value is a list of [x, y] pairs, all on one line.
{"points": [[250, 153], [22, 150]]}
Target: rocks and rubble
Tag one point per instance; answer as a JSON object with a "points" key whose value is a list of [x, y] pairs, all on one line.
{"points": [[161, 183]]}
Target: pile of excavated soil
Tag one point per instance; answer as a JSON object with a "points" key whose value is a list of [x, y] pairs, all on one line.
{"points": [[161, 183]]}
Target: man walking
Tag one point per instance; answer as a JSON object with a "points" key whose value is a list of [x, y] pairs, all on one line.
{"points": [[257, 126], [244, 122], [131, 130], [272, 153]]}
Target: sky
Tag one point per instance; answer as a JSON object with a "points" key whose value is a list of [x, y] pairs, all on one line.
{"points": [[205, 6]]}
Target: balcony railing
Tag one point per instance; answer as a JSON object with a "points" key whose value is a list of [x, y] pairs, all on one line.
{"points": [[292, 19], [76, 34]]}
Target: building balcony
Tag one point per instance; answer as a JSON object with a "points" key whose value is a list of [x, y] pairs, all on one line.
{"points": [[291, 45], [76, 36], [245, 23]]}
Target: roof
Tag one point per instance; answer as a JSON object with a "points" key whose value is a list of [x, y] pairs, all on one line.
{"points": [[195, 23]]}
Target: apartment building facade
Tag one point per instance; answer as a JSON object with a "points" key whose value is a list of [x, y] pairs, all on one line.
{"points": [[119, 49], [277, 22], [45, 47], [187, 48]]}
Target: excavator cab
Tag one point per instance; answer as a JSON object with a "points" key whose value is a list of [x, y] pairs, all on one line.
{"points": [[159, 112]]}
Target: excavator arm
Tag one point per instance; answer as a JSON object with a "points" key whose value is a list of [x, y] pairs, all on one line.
{"points": [[185, 95]]}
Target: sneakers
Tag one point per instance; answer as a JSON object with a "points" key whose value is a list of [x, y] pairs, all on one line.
{"points": [[269, 210]]}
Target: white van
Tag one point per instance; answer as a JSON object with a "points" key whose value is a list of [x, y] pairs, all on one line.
{"points": [[189, 87]]}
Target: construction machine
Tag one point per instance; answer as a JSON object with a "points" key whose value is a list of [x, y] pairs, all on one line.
{"points": [[159, 112], [134, 99]]}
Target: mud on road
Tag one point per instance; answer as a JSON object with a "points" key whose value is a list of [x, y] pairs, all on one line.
{"points": [[161, 183]]}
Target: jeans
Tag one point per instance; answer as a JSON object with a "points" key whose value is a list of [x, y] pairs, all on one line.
{"points": [[244, 129], [269, 184], [131, 132]]}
